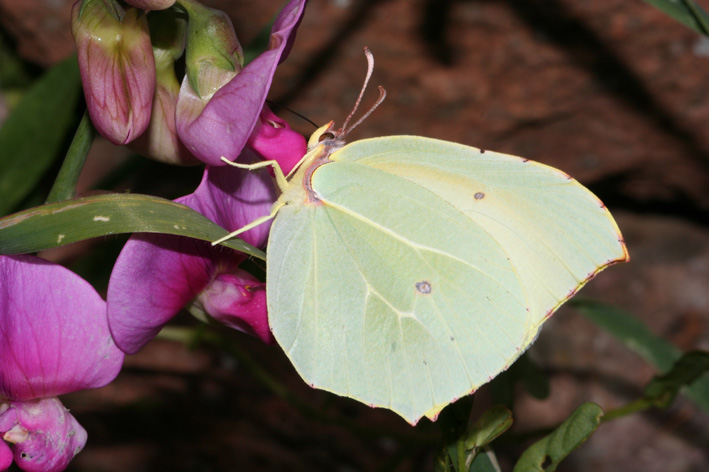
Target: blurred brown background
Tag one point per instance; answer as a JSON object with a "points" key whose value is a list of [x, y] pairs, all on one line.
{"points": [[614, 93]]}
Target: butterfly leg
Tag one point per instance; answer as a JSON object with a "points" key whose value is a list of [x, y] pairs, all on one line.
{"points": [[280, 178], [274, 209]]}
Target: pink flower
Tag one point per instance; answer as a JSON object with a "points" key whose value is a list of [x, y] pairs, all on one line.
{"points": [[55, 340], [218, 120], [156, 275]]}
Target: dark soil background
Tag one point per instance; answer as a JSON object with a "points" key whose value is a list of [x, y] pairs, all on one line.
{"points": [[612, 92]]}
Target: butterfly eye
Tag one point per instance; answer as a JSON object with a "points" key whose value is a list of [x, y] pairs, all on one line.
{"points": [[326, 137]]}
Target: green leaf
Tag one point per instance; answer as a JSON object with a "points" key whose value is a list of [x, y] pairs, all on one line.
{"points": [[68, 221], [534, 379], [686, 12], [13, 71], [663, 389], [485, 462], [463, 444], [453, 421], [31, 136], [637, 337], [525, 371], [630, 331], [547, 453], [698, 391], [491, 424]]}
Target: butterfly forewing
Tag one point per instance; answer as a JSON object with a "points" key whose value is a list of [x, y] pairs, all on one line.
{"points": [[556, 232]]}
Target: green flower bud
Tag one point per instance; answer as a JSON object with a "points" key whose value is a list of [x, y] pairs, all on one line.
{"points": [[214, 55]]}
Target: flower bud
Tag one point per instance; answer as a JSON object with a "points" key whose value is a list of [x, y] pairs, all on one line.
{"points": [[237, 300], [151, 4], [213, 55], [42, 434], [117, 67], [160, 141]]}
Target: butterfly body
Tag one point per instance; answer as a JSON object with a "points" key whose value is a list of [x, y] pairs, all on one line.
{"points": [[320, 148], [405, 271]]}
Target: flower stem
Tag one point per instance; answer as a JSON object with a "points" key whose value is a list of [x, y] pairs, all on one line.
{"points": [[641, 404], [64, 186]]}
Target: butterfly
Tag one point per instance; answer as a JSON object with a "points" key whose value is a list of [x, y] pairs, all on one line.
{"points": [[405, 272]]}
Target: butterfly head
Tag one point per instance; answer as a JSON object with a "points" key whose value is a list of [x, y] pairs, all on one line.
{"points": [[327, 136]]}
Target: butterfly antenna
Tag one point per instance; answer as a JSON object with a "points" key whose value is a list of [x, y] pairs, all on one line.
{"points": [[344, 131], [301, 116], [382, 96]]}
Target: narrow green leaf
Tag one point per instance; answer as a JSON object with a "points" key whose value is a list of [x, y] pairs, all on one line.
{"points": [[547, 453], [491, 424], [31, 136], [700, 15], [638, 338], [68, 221], [686, 12], [630, 331], [663, 389]]}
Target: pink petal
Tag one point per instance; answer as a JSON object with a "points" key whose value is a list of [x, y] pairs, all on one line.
{"points": [[273, 139], [233, 198], [54, 336], [44, 437], [156, 275], [153, 278], [5, 455], [226, 122], [287, 21]]}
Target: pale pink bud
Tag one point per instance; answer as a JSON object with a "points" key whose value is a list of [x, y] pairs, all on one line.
{"points": [[117, 67], [238, 300]]}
